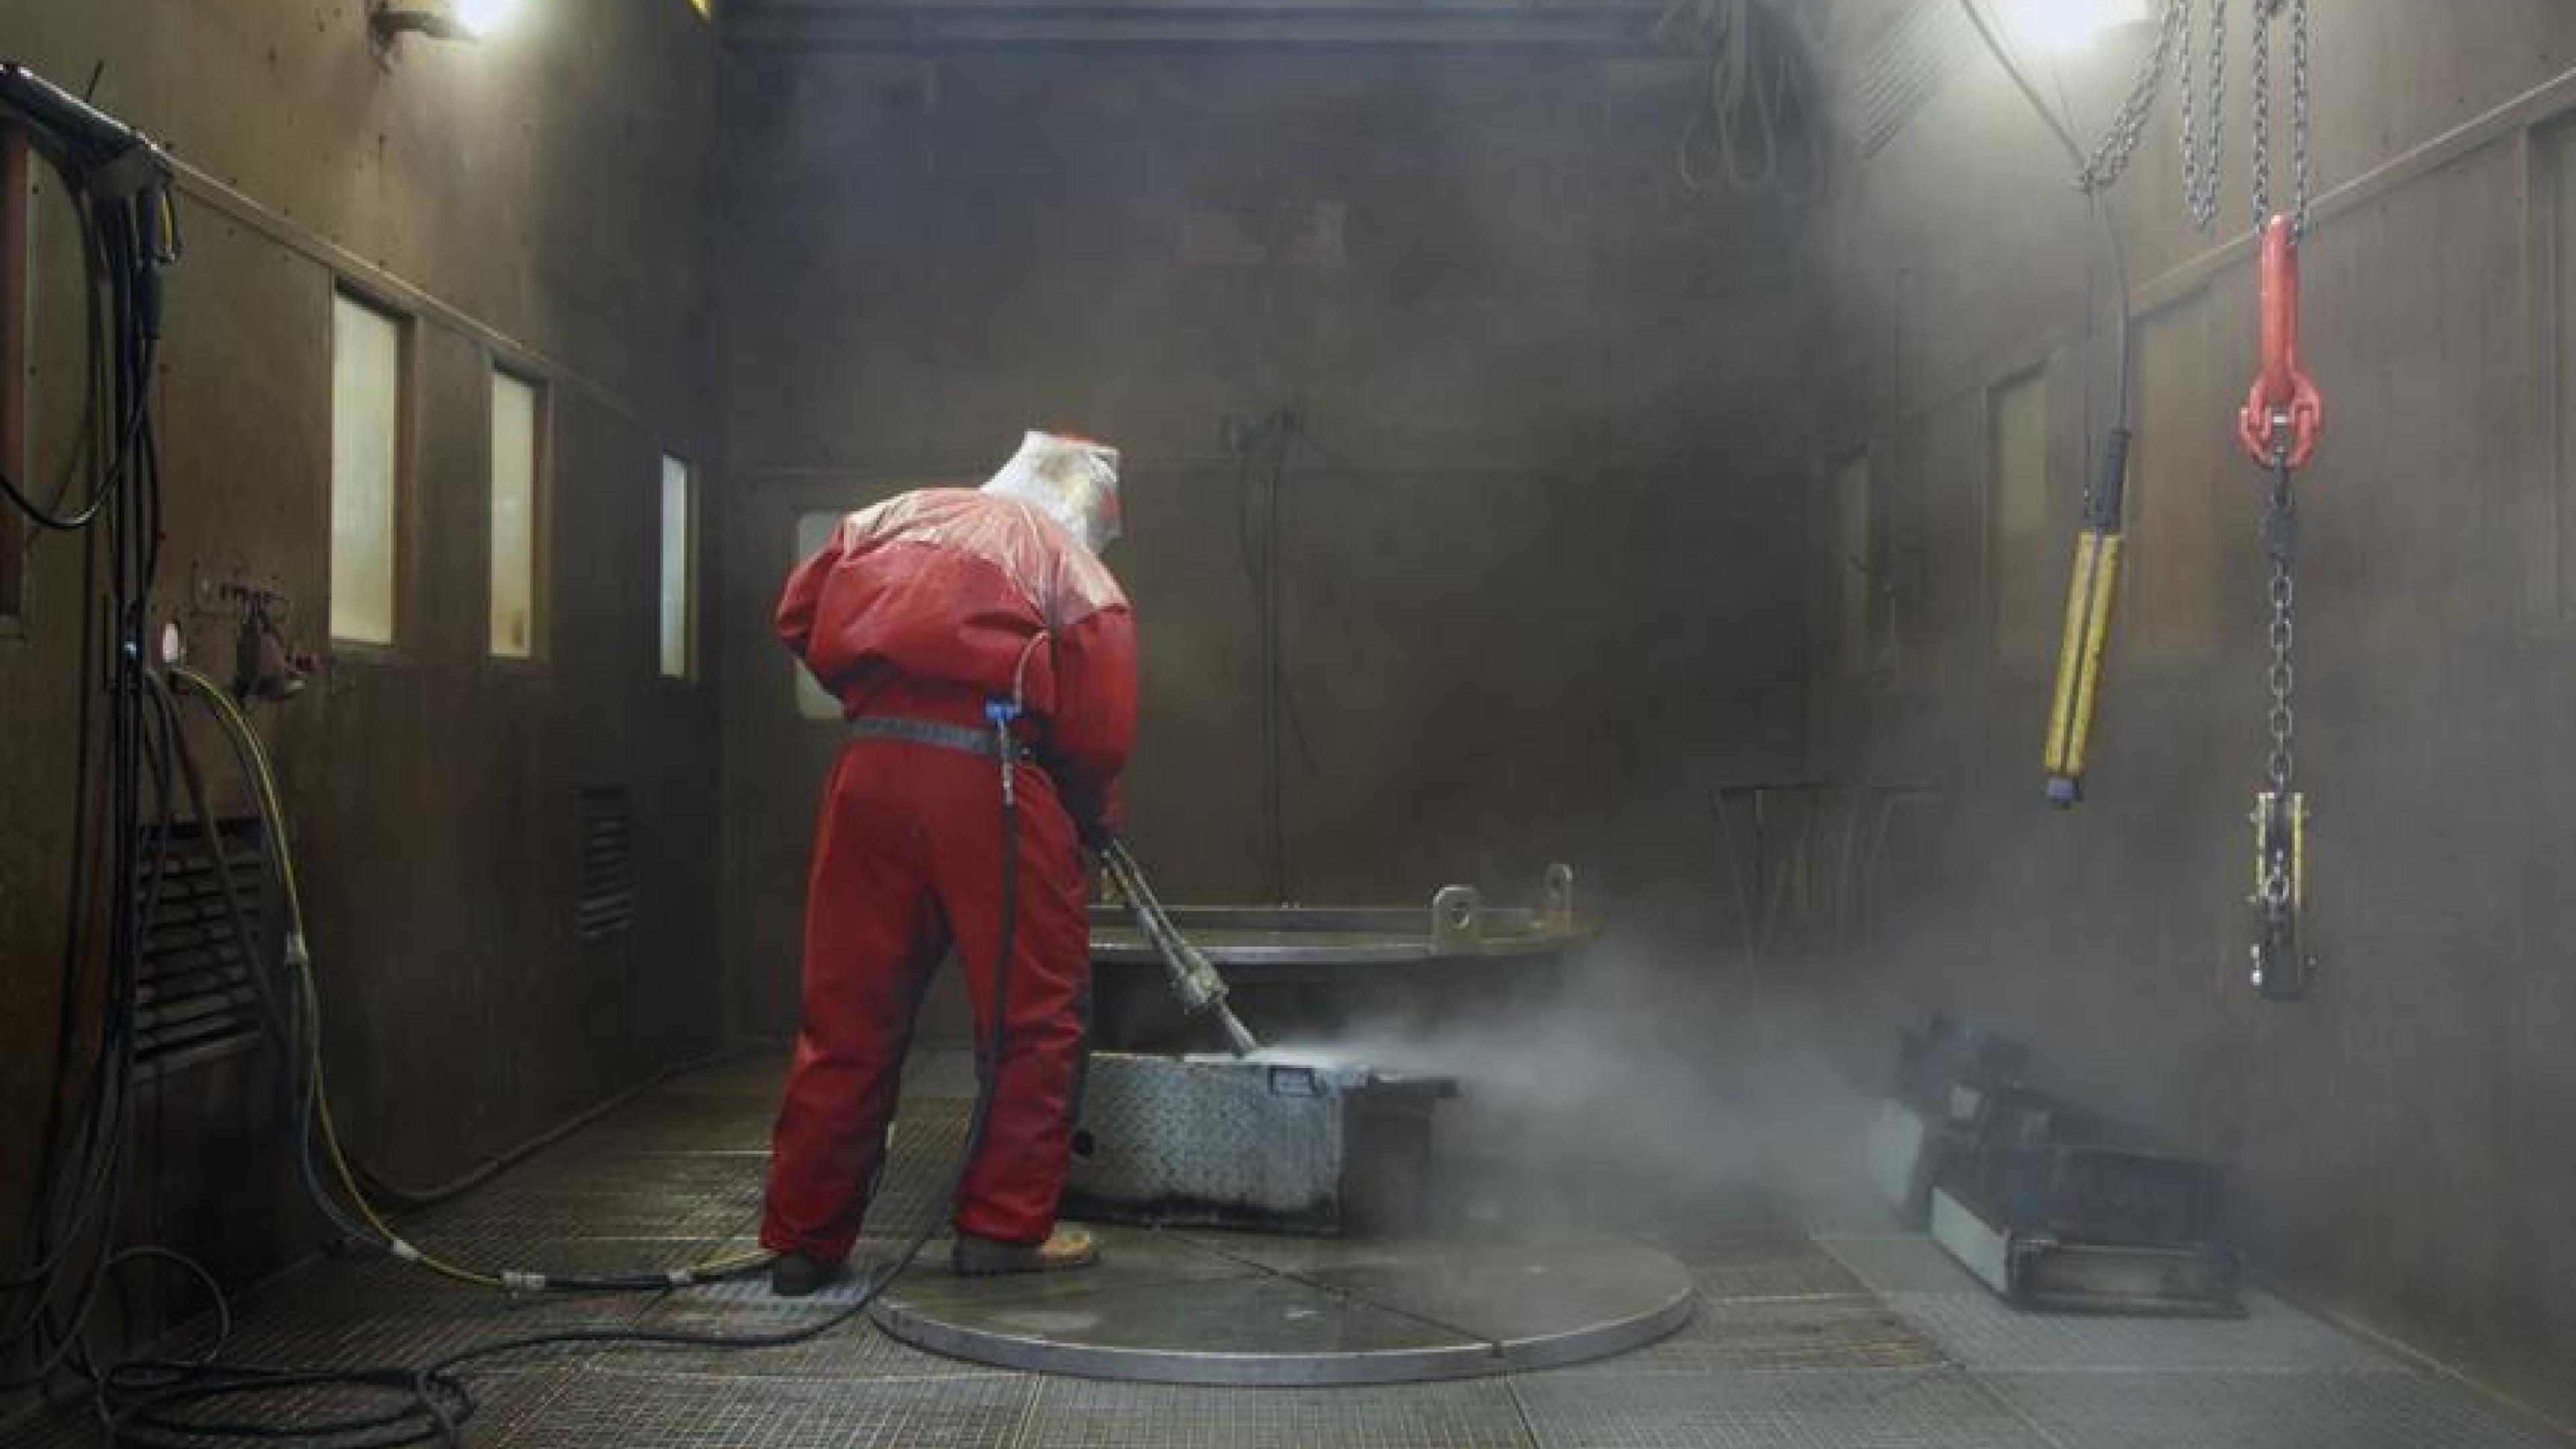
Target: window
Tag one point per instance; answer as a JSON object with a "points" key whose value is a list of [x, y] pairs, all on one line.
{"points": [[14, 452], [679, 570], [2020, 567], [813, 530], [518, 417], [1853, 562], [366, 470], [2177, 473]]}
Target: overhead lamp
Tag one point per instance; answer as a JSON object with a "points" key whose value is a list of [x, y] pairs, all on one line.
{"points": [[445, 19], [2063, 26]]}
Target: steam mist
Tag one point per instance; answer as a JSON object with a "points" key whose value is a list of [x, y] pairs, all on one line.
{"points": [[1637, 1090]]}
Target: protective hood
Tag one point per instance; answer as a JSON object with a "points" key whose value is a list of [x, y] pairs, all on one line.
{"points": [[1072, 480]]}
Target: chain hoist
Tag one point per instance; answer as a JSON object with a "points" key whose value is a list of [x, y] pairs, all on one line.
{"points": [[2204, 145], [2265, 13], [2281, 972], [2278, 428]]}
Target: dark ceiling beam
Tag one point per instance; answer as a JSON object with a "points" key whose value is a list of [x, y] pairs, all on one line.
{"points": [[927, 27]]}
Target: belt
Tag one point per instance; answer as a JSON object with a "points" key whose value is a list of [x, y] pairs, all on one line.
{"points": [[933, 733]]}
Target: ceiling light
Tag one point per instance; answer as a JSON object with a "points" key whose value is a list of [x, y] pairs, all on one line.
{"points": [[2062, 26], [446, 19]]}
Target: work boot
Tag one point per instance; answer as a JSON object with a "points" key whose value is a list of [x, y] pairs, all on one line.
{"points": [[978, 1257], [793, 1275]]}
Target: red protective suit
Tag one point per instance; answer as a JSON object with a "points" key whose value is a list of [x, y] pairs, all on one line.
{"points": [[925, 607]]}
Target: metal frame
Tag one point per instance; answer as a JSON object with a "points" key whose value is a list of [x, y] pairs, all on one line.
{"points": [[913, 27], [1459, 926]]}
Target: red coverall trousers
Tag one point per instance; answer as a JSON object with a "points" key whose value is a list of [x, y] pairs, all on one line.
{"points": [[907, 862]]}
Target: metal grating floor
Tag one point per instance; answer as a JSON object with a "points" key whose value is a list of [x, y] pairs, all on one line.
{"points": [[1818, 1327], [1076, 1414], [643, 1411], [1984, 1332], [1831, 1409], [2276, 1411]]}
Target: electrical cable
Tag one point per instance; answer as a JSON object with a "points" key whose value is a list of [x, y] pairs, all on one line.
{"points": [[66, 1333], [1278, 437], [82, 860], [85, 435], [125, 239], [1991, 32], [412, 1197], [138, 1402], [368, 1224], [1756, 82], [117, 185]]}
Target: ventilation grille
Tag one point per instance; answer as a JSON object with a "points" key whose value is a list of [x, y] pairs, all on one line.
{"points": [[1905, 67], [607, 904], [196, 1000]]}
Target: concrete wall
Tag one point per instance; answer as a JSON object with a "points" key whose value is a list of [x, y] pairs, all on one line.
{"points": [[2400, 1138], [534, 201], [1536, 555]]}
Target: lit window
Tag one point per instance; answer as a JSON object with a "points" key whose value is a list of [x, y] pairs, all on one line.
{"points": [[366, 470], [2026, 606], [679, 569], [517, 439], [813, 530]]}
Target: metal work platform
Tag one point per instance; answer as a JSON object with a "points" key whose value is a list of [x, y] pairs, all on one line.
{"points": [[1295, 942], [1304, 968], [1252, 1309]]}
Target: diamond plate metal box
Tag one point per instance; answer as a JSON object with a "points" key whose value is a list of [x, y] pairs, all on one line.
{"points": [[1272, 1146]]}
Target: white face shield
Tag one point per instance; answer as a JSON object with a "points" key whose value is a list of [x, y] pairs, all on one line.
{"points": [[1072, 480]]}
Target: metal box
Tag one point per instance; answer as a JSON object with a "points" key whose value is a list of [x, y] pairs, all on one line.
{"points": [[2056, 1208], [1270, 1146]]}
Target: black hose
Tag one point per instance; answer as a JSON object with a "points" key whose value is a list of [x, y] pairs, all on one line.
{"points": [[411, 1197], [138, 1401], [84, 1160]]}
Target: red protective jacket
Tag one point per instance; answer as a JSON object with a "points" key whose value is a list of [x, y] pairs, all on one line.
{"points": [[925, 606]]}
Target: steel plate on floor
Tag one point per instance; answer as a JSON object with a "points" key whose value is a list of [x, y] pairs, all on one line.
{"points": [[1225, 1308]]}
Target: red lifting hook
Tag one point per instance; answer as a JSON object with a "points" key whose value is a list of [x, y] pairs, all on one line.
{"points": [[2283, 387]]}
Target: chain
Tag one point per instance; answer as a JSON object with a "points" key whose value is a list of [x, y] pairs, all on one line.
{"points": [[2280, 768], [2201, 158], [2264, 10], [2299, 117], [2119, 145]]}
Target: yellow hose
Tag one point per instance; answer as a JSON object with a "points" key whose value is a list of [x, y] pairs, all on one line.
{"points": [[272, 808]]}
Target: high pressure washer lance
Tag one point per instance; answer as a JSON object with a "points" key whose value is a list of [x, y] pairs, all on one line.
{"points": [[1193, 976]]}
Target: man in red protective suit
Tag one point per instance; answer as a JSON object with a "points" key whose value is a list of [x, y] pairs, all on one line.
{"points": [[919, 614]]}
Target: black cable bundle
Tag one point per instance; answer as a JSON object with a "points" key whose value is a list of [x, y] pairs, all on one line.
{"points": [[119, 184], [162, 1404]]}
